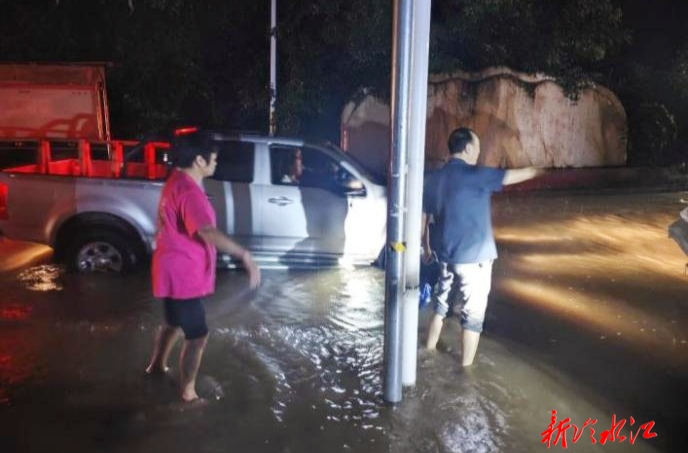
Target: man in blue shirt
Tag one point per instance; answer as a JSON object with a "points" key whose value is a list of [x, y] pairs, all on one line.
{"points": [[457, 199]]}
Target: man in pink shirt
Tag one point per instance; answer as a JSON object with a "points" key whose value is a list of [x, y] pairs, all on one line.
{"points": [[183, 268]]}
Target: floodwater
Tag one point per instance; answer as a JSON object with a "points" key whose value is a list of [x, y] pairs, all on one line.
{"points": [[588, 317]]}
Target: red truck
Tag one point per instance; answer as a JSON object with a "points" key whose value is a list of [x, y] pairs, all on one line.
{"points": [[50, 102], [53, 101]]}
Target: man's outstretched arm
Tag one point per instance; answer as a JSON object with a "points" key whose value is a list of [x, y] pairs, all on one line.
{"points": [[516, 175]]}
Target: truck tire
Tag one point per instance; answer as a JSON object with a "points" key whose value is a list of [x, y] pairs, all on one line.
{"points": [[101, 251]]}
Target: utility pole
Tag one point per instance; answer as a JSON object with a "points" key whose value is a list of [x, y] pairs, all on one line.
{"points": [[396, 197], [273, 66], [411, 37], [420, 49]]}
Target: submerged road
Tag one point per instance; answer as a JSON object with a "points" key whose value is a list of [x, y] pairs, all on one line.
{"points": [[588, 318]]}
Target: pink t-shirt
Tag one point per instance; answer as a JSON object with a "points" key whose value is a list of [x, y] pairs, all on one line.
{"points": [[183, 264]]}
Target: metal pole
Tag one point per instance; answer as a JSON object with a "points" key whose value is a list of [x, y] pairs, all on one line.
{"points": [[273, 66], [396, 198], [416, 161]]}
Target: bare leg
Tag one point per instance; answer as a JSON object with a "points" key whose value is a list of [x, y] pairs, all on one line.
{"points": [[189, 362], [165, 338], [469, 346], [434, 331]]}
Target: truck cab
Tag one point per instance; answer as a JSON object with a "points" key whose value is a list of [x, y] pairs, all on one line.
{"points": [[296, 203]]}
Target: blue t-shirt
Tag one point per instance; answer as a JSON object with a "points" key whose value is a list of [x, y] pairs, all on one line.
{"points": [[458, 196]]}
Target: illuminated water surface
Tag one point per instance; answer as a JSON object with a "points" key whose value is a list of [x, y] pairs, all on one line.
{"points": [[588, 318]]}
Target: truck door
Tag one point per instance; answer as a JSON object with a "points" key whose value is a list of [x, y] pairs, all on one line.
{"points": [[283, 226], [305, 212]]}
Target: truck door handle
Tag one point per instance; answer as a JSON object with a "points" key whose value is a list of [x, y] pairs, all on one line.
{"points": [[280, 201]]}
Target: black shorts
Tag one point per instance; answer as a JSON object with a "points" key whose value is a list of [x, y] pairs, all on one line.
{"points": [[188, 314]]}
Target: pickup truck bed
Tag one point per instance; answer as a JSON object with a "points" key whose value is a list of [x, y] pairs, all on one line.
{"points": [[66, 198]]}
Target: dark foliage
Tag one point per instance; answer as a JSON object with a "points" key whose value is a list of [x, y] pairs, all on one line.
{"points": [[180, 61]]}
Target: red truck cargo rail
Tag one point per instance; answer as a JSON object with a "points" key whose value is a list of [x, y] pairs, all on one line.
{"points": [[86, 158]]}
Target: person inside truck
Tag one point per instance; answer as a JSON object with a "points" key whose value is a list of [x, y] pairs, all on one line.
{"points": [[320, 172], [294, 170], [183, 265]]}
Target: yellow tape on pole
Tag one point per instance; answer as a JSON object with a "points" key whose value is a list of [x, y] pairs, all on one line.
{"points": [[398, 247]]}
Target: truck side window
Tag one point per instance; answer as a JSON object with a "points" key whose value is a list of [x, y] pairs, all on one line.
{"points": [[286, 164], [307, 167], [235, 161]]}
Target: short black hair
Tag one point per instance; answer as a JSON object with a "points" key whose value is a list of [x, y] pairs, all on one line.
{"points": [[459, 139], [186, 147]]}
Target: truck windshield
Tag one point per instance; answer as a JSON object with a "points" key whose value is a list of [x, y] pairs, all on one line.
{"points": [[350, 158]]}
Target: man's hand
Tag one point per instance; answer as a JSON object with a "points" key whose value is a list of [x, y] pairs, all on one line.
{"points": [[516, 175]]}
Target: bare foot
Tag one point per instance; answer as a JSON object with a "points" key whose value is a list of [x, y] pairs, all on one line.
{"points": [[425, 355], [189, 396], [193, 404], [194, 400]]}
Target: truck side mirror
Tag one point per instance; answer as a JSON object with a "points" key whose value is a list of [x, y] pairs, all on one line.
{"points": [[353, 188]]}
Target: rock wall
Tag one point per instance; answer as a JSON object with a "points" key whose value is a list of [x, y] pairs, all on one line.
{"points": [[522, 120]]}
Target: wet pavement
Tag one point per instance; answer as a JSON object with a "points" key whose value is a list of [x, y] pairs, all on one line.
{"points": [[588, 317]]}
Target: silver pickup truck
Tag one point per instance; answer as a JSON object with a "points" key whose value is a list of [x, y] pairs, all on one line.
{"points": [[291, 202]]}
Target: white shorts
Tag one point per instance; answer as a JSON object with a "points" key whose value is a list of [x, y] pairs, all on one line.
{"points": [[462, 289]]}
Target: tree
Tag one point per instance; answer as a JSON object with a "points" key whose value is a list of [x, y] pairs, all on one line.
{"points": [[330, 51], [207, 62], [563, 38]]}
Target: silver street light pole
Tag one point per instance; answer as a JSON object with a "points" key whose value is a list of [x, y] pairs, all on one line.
{"points": [[396, 199], [273, 66], [416, 163]]}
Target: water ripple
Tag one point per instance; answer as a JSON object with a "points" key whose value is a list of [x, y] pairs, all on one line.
{"points": [[42, 278]]}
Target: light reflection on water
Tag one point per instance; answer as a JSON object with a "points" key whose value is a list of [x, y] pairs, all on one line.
{"points": [[17, 254], [324, 343], [45, 277], [601, 265], [297, 366]]}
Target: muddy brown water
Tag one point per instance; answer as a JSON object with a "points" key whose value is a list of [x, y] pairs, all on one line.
{"points": [[587, 317]]}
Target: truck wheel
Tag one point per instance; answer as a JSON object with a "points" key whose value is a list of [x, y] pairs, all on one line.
{"points": [[101, 251]]}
